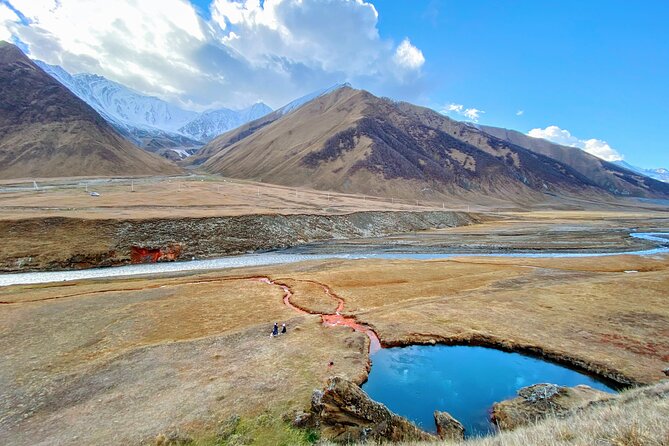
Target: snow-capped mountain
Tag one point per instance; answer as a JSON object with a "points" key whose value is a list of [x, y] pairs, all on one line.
{"points": [[210, 124], [660, 174], [138, 117], [148, 121], [297, 103]]}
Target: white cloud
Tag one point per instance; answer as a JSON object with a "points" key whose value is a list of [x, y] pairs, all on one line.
{"points": [[145, 44], [563, 137], [322, 34], [409, 56], [458, 108], [473, 114], [7, 19], [275, 50], [520, 112]]}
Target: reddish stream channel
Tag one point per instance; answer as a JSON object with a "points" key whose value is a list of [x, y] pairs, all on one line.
{"points": [[330, 319]]}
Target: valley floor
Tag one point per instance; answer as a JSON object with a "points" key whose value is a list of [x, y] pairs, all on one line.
{"points": [[123, 361], [192, 196], [203, 195]]}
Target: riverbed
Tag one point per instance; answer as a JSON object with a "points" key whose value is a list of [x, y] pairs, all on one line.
{"points": [[658, 244], [317, 252]]}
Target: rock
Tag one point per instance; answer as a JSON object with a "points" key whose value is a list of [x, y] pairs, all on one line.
{"points": [[347, 414], [666, 371], [540, 400], [167, 253], [448, 428]]}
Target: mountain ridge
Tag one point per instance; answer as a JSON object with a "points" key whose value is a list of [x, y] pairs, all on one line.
{"points": [[660, 173], [47, 131], [609, 175], [209, 124], [147, 120], [351, 141]]}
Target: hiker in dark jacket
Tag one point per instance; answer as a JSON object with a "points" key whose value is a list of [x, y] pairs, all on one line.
{"points": [[283, 329], [275, 330]]}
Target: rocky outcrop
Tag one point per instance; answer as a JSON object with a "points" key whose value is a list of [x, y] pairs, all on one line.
{"points": [[345, 413], [448, 428], [142, 254], [216, 236], [666, 371], [541, 400], [118, 242]]}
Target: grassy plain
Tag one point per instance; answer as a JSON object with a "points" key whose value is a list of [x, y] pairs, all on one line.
{"points": [[127, 360], [184, 196], [212, 196]]}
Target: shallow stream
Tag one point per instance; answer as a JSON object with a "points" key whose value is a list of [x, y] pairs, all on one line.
{"points": [[300, 254]]}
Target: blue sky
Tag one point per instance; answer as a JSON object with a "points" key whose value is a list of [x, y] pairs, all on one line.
{"points": [[597, 68], [592, 74]]}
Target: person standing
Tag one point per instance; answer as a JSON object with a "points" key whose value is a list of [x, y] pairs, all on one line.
{"points": [[275, 330], [283, 329]]}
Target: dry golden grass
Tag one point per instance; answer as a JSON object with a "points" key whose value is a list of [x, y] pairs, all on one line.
{"points": [[212, 195], [130, 358], [128, 364], [606, 320], [197, 196]]}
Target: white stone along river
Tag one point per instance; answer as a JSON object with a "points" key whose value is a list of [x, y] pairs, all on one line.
{"points": [[286, 256]]}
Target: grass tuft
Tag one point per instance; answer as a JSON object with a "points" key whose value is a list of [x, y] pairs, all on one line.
{"points": [[265, 429]]}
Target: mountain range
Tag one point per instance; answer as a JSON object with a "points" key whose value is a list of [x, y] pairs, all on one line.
{"points": [[177, 133], [660, 174], [47, 131], [352, 141], [338, 138], [148, 121], [612, 176]]}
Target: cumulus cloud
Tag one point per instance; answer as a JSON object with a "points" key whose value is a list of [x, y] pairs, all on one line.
{"points": [[249, 50], [563, 137], [472, 114], [457, 108], [409, 56], [520, 112]]}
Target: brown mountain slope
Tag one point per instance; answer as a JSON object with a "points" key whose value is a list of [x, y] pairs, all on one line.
{"points": [[352, 141], [607, 175], [46, 131]]}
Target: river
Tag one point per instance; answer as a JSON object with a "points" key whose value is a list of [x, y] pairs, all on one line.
{"points": [[301, 254]]}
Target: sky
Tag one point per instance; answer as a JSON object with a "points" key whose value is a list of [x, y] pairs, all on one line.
{"points": [[591, 74]]}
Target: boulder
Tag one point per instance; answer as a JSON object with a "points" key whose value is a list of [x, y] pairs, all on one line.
{"points": [[541, 400], [666, 371], [347, 414], [448, 428]]}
